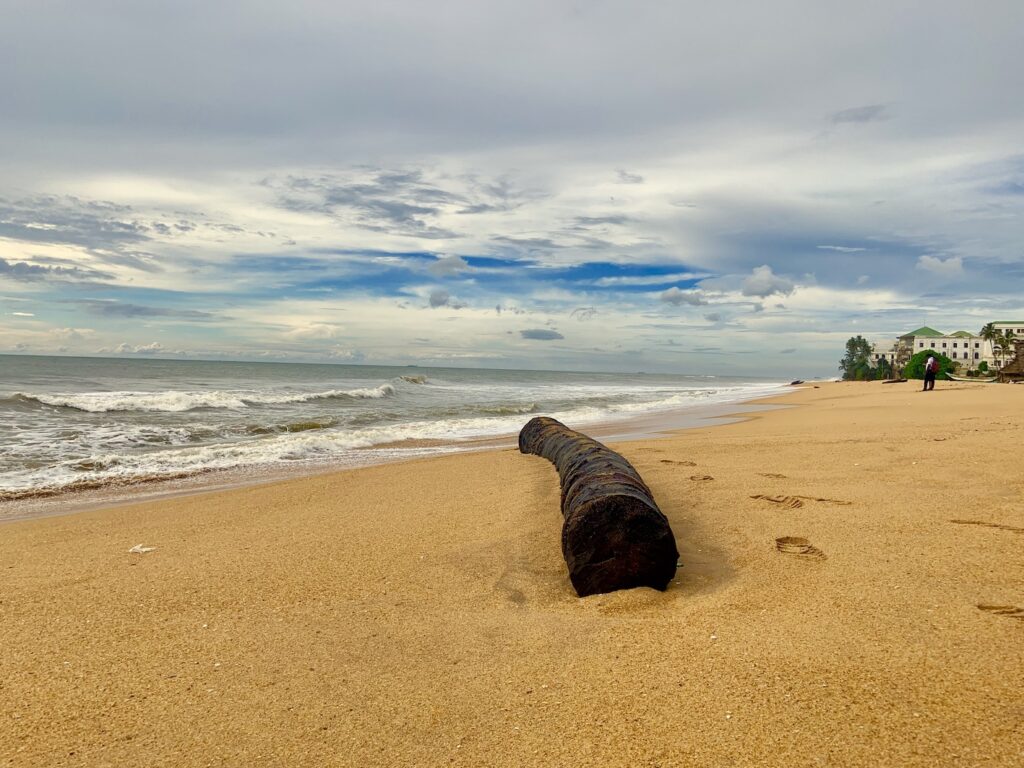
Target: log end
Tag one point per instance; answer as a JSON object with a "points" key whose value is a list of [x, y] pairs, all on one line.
{"points": [[618, 542]]}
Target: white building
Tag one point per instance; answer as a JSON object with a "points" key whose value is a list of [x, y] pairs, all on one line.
{"points": [[966, 349]]}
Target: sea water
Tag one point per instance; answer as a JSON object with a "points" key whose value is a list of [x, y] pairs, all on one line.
{"points": [[86, 423]]}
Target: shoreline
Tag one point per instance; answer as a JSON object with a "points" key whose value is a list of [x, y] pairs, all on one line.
{"points": [[650, 424], [851, 593]]}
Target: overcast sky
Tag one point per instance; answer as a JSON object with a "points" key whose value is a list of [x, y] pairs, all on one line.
{"points": [[697, 187]]}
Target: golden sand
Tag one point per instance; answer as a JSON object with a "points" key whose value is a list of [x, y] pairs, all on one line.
{"points": [[852, 594]]}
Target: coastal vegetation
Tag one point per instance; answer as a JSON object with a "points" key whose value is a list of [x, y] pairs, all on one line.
{"points": [[914, 369], [856, 363]]}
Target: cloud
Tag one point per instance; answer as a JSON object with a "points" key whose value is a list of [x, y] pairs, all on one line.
{"points": [[677, 297], [660, 279], [71, 334], [23, 314], [584, 313], [343, 353], [541, 334], [439, 298], [787, 351], [763, 282], [866, 114], [625, 177], [713, 317], [152, 348], [124, 309], [840, 248], [24, 271], [448, 266], [950, 267], [315, 332]]}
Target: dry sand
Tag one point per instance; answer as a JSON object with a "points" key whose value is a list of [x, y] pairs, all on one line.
{"points": [[420, 613]]}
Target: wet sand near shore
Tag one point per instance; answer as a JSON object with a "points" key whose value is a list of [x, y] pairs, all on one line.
{"points": [[852, 593]]}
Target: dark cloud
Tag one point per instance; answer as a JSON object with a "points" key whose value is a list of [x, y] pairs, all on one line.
{"points": [[20, 270], [677, 297], [541, 334], [123, 309], [590, 221], [584, 313], [403, 202], [788, 351], [865, 114], [398, 202], [625, 177]]}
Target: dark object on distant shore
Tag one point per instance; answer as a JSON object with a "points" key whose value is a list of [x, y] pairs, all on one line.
{"points": [[614, 536], [894, 381], [795, 382]]}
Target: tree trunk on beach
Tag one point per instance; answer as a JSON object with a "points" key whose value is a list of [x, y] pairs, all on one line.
{"points": [[613, 535]]}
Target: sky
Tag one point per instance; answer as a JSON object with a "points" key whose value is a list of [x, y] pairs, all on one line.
{"points": [[691, 187]]}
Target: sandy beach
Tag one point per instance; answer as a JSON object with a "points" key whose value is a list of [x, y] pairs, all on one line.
{"points": [[420, 614]]}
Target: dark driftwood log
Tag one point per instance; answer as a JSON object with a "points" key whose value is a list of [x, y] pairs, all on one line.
{"points": [[614, 536]]}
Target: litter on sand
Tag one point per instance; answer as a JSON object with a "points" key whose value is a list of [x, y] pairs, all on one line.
{"points": [[140, 549]]}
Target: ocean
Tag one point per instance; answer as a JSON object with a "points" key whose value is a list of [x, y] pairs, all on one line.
{"points": [[71, 424]]}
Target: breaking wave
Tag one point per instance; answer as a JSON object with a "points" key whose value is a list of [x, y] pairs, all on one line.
{"points": [[178, 401]]}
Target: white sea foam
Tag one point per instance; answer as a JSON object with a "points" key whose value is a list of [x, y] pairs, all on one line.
{"points": [[104, 457], [178, 401]]}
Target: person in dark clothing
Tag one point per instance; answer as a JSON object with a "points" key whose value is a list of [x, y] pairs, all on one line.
{"points": [[930, 369]]}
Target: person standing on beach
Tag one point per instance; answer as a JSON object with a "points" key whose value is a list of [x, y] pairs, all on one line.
{"points": [[930, 369]]}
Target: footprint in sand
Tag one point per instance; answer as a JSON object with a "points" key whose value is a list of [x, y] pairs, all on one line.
{"points": [[795, 501], [840, 502], [773, 475], [1010, 611], [701, 478], [799, 546], [679, 463], [792, 502], [1000, 526]]}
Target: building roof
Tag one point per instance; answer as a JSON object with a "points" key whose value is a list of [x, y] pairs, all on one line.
{"points": [[961, 334], [1008, 322], [922, 331]]}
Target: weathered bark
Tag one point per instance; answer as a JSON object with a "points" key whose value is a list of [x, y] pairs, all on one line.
{"points": [[613, 535]]}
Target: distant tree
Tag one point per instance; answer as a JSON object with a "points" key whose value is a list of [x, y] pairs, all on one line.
{"points": [[915, 368], [884, 369], [991, 335], [1005, 343], [855, 365], [983, 366]]}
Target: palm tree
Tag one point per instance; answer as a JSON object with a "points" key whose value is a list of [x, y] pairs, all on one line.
{"points": [[990, 334], [1005, 343]]}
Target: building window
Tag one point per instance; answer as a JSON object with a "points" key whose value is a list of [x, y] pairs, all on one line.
{"points": [[943, 345], [954, 345], [976, 345], [920, 344], [975, 355]]}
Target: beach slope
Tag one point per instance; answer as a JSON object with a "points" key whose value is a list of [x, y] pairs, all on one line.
{"points": [[852, 593]]}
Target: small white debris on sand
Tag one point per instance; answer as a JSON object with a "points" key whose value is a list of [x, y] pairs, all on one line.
{"points": [[140, 549]]}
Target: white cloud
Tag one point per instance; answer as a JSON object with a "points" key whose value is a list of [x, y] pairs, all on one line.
{"points": [[605, 282], [840, 248], [152, 348], [763, 282], [448, 266], [315, 332], [951, 267]]}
